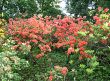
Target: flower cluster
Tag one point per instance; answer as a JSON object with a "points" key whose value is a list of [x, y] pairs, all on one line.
{"points": [[33, 30], [68, 31], [62, 70], [71, 33]]}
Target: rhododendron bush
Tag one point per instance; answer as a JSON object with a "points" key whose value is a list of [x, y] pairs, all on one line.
{"points": [[69, 33], [61, 49]]}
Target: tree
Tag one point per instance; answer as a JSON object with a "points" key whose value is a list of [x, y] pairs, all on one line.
{"points": [[49, 7], [27, 8], [77, 7], [80, 7]]}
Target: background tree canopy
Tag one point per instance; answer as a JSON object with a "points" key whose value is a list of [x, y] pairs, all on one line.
{"points": [[81, 7], [27, 8], [18, 8]]}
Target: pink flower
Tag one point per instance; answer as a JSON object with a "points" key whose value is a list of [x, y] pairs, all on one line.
{"points": [[19, 42], [81, 49], [70, 50], [39, 55], [64, 71], [15, 47], [50, 78], [84, 17], [106, 9], [96, 18], [108, 24], [34, 40], [48, 48], [99, 8]]}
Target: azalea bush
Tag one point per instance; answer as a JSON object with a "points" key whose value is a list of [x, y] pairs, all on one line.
{"points": [[46, 33], [58, 49]]}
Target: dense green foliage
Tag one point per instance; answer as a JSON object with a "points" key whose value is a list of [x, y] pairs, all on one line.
{"points": [[27, 8], [43, 48], [81, 7]]}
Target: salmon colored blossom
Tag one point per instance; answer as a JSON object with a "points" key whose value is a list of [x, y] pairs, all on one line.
{"points": [[99, 8], [50, 77], [34, 40], [106, 9], [108, 24], [64, 71], [15, 47], [70, 50], [38, 56]]}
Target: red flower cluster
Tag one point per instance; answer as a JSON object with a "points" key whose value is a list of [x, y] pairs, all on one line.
{"points": [[38, 56], [62, 70], [82, 43], [70, 32], [39, 30], [32, 30], [45, 48], [70, 50], [67, 33]]}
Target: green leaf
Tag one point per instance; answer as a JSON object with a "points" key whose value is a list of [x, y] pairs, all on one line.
{"points": [[89, 71], [82, 66], [95, 64]]}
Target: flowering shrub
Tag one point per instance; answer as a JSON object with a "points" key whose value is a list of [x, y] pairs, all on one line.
{"points": [[43, 31], [49, 37], [34, 30], [73, 35]]}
